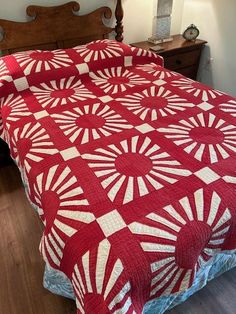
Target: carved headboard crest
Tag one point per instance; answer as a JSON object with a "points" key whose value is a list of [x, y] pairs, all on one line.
{"points": [[58, 27]]}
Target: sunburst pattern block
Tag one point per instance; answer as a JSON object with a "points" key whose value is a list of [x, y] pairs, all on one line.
{"points": [[205, 137], [99, 50], [195, 89], [184, 240], [60, 200], [13, 108], [155, 102], [133, 168], [61, 92], [229, 107], [101, 282], [37, 61], [31, 143], [90, 122], [116, 80], [156, 70]]}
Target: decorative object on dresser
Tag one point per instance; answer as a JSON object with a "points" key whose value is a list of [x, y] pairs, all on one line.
{"points": [[191, 32], [162, 22], [179, 55]]}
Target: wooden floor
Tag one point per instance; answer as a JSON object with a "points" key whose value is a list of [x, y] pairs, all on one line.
{"points": [[21, 267]]}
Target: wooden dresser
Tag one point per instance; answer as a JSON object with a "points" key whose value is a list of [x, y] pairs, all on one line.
{"points": [[179, 55]]}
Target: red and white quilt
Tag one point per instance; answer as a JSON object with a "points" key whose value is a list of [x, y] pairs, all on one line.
{"points": [[132, 169]]}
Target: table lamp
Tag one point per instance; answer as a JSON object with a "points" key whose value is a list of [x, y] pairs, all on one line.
{"points": [[162, 22]]}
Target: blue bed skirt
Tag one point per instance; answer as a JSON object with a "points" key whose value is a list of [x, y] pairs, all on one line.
{"points": [[58, 283]]}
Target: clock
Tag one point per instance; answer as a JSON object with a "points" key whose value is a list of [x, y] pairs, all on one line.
{"points": [[191, 33]]}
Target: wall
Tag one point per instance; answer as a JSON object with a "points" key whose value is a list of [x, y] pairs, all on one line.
{"points": [[138, 19], [177, 13], [138, 14], [216, 21]]}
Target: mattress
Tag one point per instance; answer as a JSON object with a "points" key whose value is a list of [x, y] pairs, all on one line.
{"points": [[130, 167]]}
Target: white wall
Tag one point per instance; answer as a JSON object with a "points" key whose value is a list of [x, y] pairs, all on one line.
{"points": [[216, 21], [177, 13], [138, 17]]}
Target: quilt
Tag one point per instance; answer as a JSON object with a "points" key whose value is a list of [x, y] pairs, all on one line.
{"points": [[131, 168]]}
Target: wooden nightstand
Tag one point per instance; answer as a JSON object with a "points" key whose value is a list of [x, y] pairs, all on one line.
{"points": [[179, 55], [5, 158]]}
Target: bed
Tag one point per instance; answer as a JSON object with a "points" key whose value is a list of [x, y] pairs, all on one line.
{"points": [[130, 167]]}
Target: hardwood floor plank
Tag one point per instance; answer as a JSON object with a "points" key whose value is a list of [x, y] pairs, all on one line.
{"points": [[218, 297], [22, 268]]}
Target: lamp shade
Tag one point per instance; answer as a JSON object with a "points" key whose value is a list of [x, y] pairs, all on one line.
{"points": [[164, 7], [162, 21]]}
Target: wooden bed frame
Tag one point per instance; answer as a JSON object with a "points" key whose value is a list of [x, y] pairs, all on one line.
{"points": [[58, 27]]}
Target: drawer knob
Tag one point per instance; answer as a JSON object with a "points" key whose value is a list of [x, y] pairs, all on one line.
{"points": [[179, 62]]}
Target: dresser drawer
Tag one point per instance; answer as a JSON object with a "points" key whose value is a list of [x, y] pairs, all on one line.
{"points": [[190, 72], [182, 60]]}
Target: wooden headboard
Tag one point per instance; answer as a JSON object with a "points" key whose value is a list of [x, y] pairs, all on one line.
{"points": [[58, 27]]}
